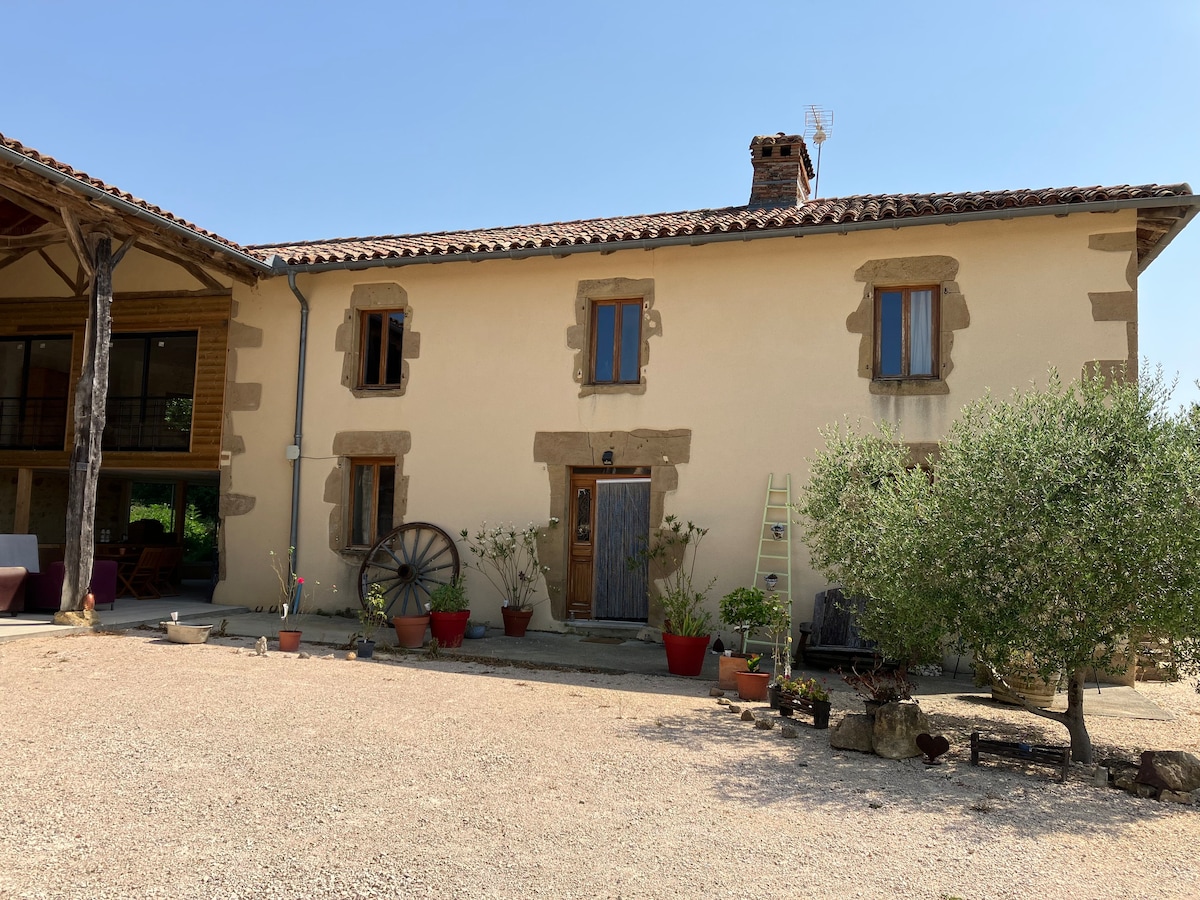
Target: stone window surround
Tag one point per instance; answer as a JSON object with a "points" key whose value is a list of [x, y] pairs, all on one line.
{"points": [[579, 337], [347, 447], [1117, 306], [561, 451], [372, 297], [953, 315]]}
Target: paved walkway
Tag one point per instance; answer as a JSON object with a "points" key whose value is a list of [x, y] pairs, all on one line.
{"points": [[615, 652]]}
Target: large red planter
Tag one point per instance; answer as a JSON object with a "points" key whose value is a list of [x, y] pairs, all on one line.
{"points": [[448, 628], [515, 621], [685, 655]]}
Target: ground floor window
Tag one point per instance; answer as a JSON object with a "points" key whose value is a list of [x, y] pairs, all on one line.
{"points": [[372, 500]]}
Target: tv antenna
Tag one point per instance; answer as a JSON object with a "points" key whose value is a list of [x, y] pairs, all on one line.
{"points": [[818, 125]]}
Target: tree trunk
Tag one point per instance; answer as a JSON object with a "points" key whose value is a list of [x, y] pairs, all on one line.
{"points": [[1081, 741], [91, 395]]}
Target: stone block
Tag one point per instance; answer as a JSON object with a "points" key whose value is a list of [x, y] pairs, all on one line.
{"points": [[1172, 770], [897, 725], [852, 733]]}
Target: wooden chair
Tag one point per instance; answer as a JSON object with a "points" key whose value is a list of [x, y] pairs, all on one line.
{"points": [[142, 580], [168, 561]]}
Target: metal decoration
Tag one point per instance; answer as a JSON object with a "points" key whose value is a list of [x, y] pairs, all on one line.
{"points": [[932, 747], [771, 580], [777, 531]]}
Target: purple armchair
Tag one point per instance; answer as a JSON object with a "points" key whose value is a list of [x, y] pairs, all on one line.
{"points": [[12, 589], [44, 591]]}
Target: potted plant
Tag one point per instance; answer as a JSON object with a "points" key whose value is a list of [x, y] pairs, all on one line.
{"points": [[448, 613], [743, 609], [372, 614], [779, 629], [687, 625], [878, 687], [806, 695], [752, 684], [290, 588], [508, 557], [410, 630]]}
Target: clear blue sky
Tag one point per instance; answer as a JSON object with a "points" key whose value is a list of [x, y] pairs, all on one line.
{"points": [[270, 122]]}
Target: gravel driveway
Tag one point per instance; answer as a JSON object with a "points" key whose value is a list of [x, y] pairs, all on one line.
{"points": [[137, 768]]}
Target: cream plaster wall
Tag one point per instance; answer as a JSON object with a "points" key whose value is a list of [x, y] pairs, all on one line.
{"points": [[754, 357]]}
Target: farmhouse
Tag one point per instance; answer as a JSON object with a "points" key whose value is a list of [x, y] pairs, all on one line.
{"points": [[605, 373]]}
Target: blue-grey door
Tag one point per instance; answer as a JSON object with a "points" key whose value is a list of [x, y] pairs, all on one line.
{"points": [[622, 527]]}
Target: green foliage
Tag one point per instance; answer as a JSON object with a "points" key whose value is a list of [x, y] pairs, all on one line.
{"points": [[373, 612], [673, 553], [449, 597], [744, 609], [508, 557], [1055, 522]]}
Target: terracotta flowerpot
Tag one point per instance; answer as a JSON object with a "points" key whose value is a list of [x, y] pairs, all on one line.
{"points": [[410, 631], [752, 685], [685, 655], [289, 641], [515, 621], [448, 628], [727, 666]]}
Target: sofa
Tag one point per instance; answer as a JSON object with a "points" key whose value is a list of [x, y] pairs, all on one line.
{"points": [[12, 589], [43, 591]]}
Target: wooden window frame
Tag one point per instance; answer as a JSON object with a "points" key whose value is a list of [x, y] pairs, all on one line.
{"points": [[618, 303], [374, 463], [382, 384], [905, 335]]}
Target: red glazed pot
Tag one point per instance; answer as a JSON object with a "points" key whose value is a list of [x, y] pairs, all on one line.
{"points": [[685, 655], [448, 628]]}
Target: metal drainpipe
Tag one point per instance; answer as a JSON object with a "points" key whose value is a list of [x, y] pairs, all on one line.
{"points": [[294, 539]]}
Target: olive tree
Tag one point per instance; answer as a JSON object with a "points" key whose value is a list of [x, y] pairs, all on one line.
{"points": [[1050, 528]]}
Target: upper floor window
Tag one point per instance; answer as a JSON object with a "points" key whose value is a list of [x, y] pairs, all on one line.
{"points": [[151, 385], [906, 332], [35, 390], [616, 341], [382, 346]]}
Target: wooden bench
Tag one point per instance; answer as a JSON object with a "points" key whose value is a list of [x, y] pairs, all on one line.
{"points": [[832, 641], [818, 709], [1041, 754]]}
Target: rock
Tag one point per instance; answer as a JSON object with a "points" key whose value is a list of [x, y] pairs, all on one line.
{"points": [[260, 646], [716, 692], [87, 617], [789, 731], [1123, 779], [351, 655], [1100, 776], [1146, 791], [766, 724], [852, 733], [734, 708], [650, 635], [303, 655], [1196, 797], [1173, 770], [1176, 797], [724, 701], [747, 716], [896, 728]]}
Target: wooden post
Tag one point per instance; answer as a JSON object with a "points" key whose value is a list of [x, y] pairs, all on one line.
{"points": [[91, 395], [24, 501]]}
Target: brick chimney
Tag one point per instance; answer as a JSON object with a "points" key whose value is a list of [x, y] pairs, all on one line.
{"points": [[781, 170]]}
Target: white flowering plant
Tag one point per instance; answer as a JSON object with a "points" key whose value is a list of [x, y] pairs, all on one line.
{"points": [[508, 557]]}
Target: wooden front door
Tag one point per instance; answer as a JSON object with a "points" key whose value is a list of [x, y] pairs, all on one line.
{"points": [[610, 517]]}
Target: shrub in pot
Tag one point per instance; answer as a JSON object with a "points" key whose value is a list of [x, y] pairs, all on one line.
{"points": [[448, 612], [370, 617], [674, 552], [508, 557]]}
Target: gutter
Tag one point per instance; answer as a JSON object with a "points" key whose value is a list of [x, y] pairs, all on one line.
{"points": [[125, 206], [294, 534], [1059, 209]]}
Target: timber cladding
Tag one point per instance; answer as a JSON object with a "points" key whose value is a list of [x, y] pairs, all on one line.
{"points": [[207, 316]]}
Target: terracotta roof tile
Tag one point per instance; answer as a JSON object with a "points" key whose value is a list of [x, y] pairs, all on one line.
{"points": [[701, 222]]}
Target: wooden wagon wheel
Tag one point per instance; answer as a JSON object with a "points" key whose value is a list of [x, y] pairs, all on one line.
{"points": [[409, 563]]}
